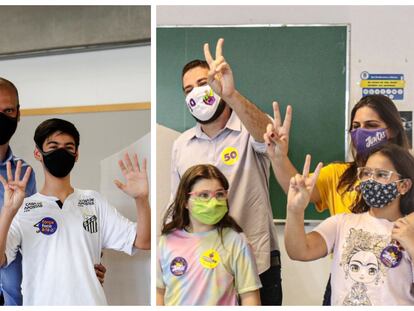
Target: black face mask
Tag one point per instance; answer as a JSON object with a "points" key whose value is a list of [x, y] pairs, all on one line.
{"points": [[219, 111], [59, 162], [7, 128]]}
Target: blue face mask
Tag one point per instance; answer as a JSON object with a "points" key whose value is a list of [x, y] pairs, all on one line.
{"points": [[366, 140], [378, 195]]}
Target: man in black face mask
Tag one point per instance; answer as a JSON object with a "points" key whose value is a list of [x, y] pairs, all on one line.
{"points": [[11, 276], [229, 135], [61, 230]]}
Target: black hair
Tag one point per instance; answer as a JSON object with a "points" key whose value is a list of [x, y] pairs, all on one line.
{"points": [[193, 64], [52, 126]]}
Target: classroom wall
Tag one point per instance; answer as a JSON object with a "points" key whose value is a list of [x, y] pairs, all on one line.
{"points": [[380, 42], [380, 39]]}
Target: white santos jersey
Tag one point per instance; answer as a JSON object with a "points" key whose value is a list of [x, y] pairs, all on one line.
{"points": [[61, 243]]}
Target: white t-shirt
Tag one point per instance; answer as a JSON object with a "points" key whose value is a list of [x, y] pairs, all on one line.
{"points": [[358, 275], [60, 246]]}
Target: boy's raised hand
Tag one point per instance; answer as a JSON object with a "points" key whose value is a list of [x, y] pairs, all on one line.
{"points": [[136, 185], [14, 187], [301, 187]]}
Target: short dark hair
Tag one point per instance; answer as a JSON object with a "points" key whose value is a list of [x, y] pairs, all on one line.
{"points": [[8, 85], [51, 126], [193, 64]]}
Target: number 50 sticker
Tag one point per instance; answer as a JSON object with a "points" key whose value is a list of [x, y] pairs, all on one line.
{"points": [[229, 156]]}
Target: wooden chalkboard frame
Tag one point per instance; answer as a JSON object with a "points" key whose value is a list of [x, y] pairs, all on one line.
{"points": [[171, 56]]}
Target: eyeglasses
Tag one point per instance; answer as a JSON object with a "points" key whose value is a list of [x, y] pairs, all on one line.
{"points": [[206, 195], [380, 175]]}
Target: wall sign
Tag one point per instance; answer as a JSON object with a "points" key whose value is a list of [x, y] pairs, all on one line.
{"points": [[391, 85]]}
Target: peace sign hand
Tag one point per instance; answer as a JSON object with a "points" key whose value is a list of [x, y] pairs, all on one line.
{"points": [[301, 187], [277, 135], [136, 177], [14, 188], [220, 76]]}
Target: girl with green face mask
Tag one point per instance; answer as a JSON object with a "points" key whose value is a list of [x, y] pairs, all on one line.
{"points": [[203, 257]]}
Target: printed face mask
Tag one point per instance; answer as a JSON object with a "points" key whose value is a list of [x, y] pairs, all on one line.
{"points": [[7, 128], [202, 102], [378, 195], [210, 212], [59, 162], [365, 140]]}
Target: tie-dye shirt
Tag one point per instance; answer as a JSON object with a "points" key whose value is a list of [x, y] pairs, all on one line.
{"points": [[201, 269]]}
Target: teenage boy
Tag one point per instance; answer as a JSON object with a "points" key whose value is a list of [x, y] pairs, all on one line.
{"points": [[61, 230], [11, 276]]}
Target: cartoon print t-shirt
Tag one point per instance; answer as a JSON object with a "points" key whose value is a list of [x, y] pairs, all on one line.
{"points": [[203, 269], [358, 275]]}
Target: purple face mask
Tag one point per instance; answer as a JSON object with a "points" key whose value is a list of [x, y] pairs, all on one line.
{"points": [[365, 140]]}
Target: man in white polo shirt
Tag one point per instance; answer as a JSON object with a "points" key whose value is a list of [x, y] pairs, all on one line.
{"points": [[229, 135], [61, 230]]}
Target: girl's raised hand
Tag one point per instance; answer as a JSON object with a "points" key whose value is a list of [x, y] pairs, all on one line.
{"points": [[14, 188], [301, 187], [277, 134]]}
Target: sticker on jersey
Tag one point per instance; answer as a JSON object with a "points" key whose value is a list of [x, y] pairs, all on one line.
{"points": [[28, 206], [210, 259], [178, 266], [90, 223], [46, 226], [230, 156], [86, 202]]}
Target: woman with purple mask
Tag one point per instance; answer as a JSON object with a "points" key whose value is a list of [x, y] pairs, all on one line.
{"points": [[375, 120]]}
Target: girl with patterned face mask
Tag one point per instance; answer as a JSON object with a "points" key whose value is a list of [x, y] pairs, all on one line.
{"points": [[373, 246], [374, 121], [203, 257]]}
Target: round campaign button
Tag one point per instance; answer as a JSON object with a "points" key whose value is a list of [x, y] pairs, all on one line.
{"points": [[46, 226], [229, 155], [391, 256], [210, 259], [178, 266]]}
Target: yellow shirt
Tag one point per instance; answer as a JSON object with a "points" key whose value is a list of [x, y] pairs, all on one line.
{"points": [[331, 199]]}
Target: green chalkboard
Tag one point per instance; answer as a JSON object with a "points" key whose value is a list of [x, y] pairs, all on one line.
{"points": [[302, 66]]}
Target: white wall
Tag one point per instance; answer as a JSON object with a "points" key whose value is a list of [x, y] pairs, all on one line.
{"points": [[128, 278], [381, 41], [81, 79]]}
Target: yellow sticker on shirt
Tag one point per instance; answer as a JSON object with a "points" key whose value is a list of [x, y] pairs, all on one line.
{"points": [[230, 155], [210, 259]]}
